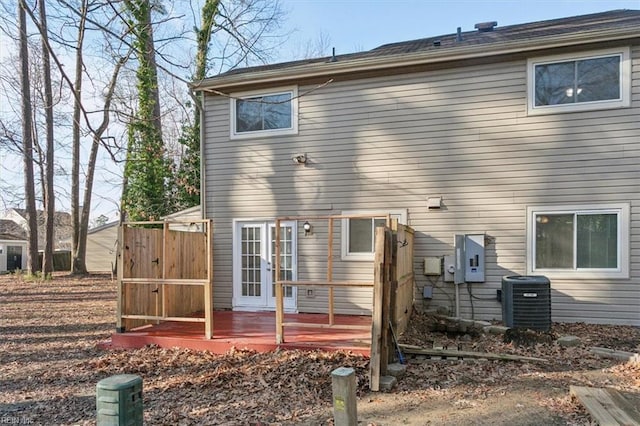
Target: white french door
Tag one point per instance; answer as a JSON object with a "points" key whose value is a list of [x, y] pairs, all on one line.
{"points": [[254, 264]]}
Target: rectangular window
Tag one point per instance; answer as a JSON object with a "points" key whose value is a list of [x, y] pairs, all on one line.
{"points": [[255, 114], [358, 234], [571, 83], [577, 241]]}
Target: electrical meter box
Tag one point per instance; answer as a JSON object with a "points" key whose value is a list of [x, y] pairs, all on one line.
{"points": [[119, 401], [469, 264]]}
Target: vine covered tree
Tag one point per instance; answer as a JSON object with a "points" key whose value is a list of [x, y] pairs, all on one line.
{"points": [[146, 170]]}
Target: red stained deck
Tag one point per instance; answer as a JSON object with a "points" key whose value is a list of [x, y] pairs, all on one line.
{"points": [[251, 330]]}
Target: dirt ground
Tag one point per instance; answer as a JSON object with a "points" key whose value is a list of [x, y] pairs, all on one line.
{"points": [[50, 364]]}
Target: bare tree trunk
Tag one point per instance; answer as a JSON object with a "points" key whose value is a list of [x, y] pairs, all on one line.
{"points": [[78, 264], [49, 197], [27, 142], [81, 250]]}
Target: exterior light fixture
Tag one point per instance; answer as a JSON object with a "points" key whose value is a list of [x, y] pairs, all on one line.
{"points": [[307, 228], [299, 159]]}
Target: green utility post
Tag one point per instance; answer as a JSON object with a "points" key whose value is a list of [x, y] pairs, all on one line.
{"points": [[119, 401]]}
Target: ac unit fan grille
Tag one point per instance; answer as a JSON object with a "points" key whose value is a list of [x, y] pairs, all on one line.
{"points": [[527, 305]]}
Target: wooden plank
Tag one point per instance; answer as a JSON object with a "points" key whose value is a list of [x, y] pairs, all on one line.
{"points": [[168, 261], [174, 281], [120, 270], [614, 354], [208, 288], [386, 349], [440, 352], [329, 284], [376, 320], [607, 406], [337, 326], [159, 318]]}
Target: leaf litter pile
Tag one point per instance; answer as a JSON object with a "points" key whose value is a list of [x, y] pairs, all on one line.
{"points": [[50, 364]]}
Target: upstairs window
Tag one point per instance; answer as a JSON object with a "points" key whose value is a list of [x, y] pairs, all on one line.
{"points": [[255, 114], [571, 83], [577, 241]]}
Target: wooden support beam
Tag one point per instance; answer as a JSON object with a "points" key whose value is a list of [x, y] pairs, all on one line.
{"points": [[159, 318], [120, 271], [208, 287], [175, 281], [162, 294], [336, 326], [376, 320], [386, 348], [329, 284]]}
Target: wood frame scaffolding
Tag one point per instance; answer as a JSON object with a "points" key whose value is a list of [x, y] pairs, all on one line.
{"points": [[167, 278], [330, 283]]}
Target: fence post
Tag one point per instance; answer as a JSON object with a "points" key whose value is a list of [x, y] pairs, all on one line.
{"points": [[343, 381]]}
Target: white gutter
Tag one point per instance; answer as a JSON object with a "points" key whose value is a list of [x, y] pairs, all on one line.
{"points": [[383, 62]]}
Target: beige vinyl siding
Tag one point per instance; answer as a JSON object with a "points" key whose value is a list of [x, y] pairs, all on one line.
{"points": [[101, 249], [461, 133]]}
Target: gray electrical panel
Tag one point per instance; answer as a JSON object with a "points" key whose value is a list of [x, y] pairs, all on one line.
{"points": [[469, 258], [474, 258]]}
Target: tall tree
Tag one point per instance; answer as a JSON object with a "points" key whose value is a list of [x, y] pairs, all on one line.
{"points": [[77, 262], [49, 199], [146, 169], [187, 178], [27, 142]]}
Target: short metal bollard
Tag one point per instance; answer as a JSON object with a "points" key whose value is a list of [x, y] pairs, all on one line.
{"points": [[343, 381], [119, 401]]}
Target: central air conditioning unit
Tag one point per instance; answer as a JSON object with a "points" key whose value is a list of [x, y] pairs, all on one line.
{"points": [[526, 302]]}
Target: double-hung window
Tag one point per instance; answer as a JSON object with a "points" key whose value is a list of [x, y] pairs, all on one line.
{"points": [[358, 233], [580, 82], [578, 241], [255, 114]]}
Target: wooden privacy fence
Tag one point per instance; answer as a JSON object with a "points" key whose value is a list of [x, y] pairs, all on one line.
{"points": [[165, 273], [392, 295], [392, 285]]}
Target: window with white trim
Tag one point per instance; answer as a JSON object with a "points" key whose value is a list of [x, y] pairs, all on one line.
{"points": [[255, 114], [358, 234], [570, 83], [578, 241]]}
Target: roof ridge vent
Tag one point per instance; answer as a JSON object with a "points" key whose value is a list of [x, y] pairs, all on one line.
{"points": [[485, 27]]}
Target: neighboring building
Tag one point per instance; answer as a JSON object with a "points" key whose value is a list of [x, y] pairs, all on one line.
{"points": [[13, 246], [528, 134], [63, 227], [102, 245]]}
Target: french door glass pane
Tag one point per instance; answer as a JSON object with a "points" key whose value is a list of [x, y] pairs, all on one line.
{"points": [[554, 241], [286, 258], [597, 241], [251, 273]]}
